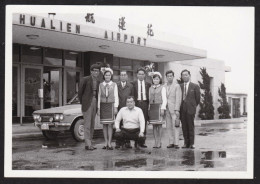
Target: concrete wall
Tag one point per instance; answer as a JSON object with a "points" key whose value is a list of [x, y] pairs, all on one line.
{"points": [[215, 69]]}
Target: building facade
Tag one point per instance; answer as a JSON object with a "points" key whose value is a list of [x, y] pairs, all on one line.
{"points": [[51, 56]]}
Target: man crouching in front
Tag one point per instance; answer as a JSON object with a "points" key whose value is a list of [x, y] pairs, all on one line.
{"points": [[133, 123]]}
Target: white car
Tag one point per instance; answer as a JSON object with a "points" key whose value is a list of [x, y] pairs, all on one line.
{"points": [[57, 120]]}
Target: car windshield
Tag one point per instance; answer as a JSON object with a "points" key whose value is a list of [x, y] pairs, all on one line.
{"points": [[74, 100]]}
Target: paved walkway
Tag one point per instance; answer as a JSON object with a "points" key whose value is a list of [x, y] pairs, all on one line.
{"points": [[219, 147]]}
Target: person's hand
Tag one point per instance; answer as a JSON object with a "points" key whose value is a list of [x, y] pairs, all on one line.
{"points": [[98, 112], [115, 110], [118, 130], [141, 134], [177, 113], [162, 112]]}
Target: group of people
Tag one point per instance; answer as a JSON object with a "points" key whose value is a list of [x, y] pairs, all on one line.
{"points": [[131, 106]]}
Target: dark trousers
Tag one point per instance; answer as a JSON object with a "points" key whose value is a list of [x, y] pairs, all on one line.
{"points": [[144, 106], [127, 141], [187, 121], [128, 134]]}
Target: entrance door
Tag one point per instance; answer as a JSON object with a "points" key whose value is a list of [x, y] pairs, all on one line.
{"points": [[52, 87], [236, 109], [31, 89]]}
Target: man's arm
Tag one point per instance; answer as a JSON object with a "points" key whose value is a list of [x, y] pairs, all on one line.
{"points": [[197, 94], [81, 89], [141, 120], [118, 118], [178, 97]]}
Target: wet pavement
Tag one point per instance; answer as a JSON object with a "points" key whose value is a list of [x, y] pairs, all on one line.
{"points": [[219, 147]]}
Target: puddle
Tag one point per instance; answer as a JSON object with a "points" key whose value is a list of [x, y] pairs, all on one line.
{"points": [[131, 163], [88, 167], [69, 151]]}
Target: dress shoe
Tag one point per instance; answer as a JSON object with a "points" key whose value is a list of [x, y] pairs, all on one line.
{"points": [[185, 146], [90, 148], [110, 148], [143, 146], [170, 146], [104, 147], [192, 146]]}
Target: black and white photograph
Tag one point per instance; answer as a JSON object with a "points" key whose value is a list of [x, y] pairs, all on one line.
{"points": [[129, 91]]}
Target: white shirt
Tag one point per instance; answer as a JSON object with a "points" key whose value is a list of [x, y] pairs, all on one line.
{"points": [[131, 118], [115, 93], [187, 87], [164, 97], [123, 84], [139, 90]]}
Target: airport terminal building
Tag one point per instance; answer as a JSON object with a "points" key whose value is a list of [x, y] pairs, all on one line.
{"points": [[56, 54]]}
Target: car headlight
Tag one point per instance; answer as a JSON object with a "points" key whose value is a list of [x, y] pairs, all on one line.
{"points": [[58, 117], [37, 117], [61, 116]]}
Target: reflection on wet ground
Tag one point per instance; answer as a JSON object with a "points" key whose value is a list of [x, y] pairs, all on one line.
{"points": [[211, 152]]}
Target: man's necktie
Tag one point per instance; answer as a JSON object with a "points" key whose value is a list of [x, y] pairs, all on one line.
{"points": [[141, 90], [184, 96]]}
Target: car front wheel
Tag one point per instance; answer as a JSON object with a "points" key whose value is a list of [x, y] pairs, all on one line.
{"points": [[51, 135], [78, 130]]}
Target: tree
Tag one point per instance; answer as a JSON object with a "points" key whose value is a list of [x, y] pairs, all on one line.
{"points": [[206, 104], [223, 109]]}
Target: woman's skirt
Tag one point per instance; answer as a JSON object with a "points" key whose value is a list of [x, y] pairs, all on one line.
{"points": [[107, 113], [155, 117]]}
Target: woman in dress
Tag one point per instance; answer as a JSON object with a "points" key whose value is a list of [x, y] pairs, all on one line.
{"points": [[107, 106], [157, 103]]}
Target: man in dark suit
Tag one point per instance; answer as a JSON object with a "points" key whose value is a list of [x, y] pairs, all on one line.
{"points": [[190, 100], [141, 95], [88, 94], [125, 89]]}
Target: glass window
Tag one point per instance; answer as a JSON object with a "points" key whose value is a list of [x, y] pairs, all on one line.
{"points": [[229, 103], [15, 53], [52, 56], [32, 83], [130, 76], [72, 84], [116, 75], [126, 64], [72, 59], [115, 63], [15, 85], [31, 54]]}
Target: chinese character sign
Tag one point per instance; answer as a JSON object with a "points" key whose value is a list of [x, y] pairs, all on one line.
{"points": [[121, 24], [90, 18], [150, 31]]}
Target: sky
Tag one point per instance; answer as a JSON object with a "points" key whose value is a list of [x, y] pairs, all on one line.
{"points": [[226, 33]]}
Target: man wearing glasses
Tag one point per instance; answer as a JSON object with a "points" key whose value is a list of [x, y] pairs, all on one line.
{"points": [[88, 92]]}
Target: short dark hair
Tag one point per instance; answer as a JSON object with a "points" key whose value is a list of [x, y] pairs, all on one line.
{"points": [[123, 71], [168, 72], [94, 66], [156, 75], [110, 73], [185, 70], [141, 69], [129, 97]]}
